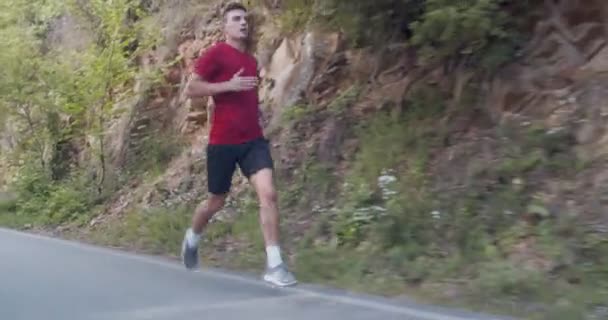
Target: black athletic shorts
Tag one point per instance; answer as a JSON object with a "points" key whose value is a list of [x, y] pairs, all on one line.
{"points": [[222, 159]]}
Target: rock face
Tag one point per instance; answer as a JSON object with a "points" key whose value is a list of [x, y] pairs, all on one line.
{"points": [[8, 137], [558, 84], [562, 82], [558, 81], [288, 66], [568, 46]]}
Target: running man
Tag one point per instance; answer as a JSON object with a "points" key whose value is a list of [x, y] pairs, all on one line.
{"points": [[229, 74]]}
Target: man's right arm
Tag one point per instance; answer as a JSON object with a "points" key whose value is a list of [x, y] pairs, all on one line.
{"points": [[198, 87], [205, 68]]}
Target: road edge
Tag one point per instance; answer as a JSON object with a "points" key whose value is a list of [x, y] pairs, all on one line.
{"points": [[412, 309]]}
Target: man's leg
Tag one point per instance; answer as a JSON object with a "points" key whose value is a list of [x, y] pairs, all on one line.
{"points": [[221, 163], [206, 210], [269, 212], [200, 219], [258, 167]]}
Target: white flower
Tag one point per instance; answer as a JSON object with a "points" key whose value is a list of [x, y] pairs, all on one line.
{"points": [[436, 214], [385, 182], [368, 213]]}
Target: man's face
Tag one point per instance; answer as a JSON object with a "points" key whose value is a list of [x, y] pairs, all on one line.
{"points": [[235, 24]]}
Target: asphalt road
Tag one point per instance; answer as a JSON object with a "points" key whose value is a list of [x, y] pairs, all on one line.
{"points": [[50, 279]]}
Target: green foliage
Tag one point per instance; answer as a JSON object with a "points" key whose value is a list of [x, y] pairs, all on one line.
{"points": [[22, 88], [484, 33], [8, 203], [156, 231], [464, 28], [513, 167], [409, 134], [43, 202], [34, 16], [297, 15], [365, 22], [296, 113], [159, 230], [535, 149], [312, 182], [386, 191], [65, 203], [341, 267], [344, 100], [504, 278], [390, 227], [387, 208], [40, 87]]}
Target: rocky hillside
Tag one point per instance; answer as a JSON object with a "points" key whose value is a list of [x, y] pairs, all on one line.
{"points": [[451, 152]]}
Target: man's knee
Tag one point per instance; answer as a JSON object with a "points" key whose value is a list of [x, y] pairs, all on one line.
{"points": [[264, 186], [268, 197]]}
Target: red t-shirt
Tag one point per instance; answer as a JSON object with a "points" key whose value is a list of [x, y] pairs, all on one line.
{"points": [[236, 114]]}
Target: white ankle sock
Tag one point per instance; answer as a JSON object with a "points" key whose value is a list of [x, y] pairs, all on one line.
{"points": [[192, 238], [274, 256]]}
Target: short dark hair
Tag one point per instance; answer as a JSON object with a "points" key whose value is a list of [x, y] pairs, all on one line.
{"points": [[233, 6]]}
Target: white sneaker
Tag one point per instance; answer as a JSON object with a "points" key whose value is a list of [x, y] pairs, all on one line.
{"points": [[280, 276]]}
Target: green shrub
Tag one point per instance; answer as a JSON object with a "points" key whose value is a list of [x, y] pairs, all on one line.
{"points": [[463, 28], [296, 113], [65, 203], [7, 204], [41, 201], [157, 231], [297, 14], [161, 230], [504, 278], [484, 32], [370, 22]]}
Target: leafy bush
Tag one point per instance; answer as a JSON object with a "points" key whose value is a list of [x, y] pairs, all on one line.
{"points": [[464, 28], [297, 14], [8, 203], [41, 86], [375, 22], [41, 201], [505, 278], [159, 230], [482, 31]]}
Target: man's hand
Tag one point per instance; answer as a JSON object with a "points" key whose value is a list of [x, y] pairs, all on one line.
{"points": [[238, 83]]}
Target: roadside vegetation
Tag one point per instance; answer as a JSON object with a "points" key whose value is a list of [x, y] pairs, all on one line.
{"points": [[400, 219]]}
